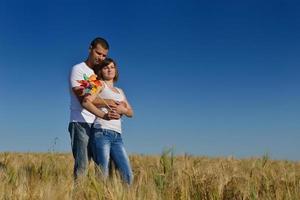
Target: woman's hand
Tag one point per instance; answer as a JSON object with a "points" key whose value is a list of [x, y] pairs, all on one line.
{"points": [[121, 107]]}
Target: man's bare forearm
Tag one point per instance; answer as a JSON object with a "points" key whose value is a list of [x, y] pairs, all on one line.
{"points": [[98, 102], [88, 105]]}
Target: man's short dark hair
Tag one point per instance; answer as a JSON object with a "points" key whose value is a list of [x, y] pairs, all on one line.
{"points": [[100, 41]]}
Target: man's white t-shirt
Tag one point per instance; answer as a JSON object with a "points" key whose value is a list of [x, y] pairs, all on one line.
{"points": [[78, 113]]}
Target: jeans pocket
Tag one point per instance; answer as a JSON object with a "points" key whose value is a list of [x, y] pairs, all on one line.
{"points": [[98, 132]]}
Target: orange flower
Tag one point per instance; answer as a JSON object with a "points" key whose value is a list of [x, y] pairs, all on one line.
{"points": [[89, 85]]}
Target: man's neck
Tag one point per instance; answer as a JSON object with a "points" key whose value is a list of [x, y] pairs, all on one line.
{"points": [[89, 64]]}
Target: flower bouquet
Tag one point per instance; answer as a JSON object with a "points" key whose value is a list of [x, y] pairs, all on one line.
{"points": [[90, 85]]}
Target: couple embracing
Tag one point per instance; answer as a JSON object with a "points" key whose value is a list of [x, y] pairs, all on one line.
{"points": [[95, 120]]}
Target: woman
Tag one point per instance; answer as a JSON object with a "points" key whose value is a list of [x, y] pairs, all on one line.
{"points": [[106, 138]]}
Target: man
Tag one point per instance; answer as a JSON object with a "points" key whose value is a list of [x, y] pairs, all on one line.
{"points": [[83, 115]]}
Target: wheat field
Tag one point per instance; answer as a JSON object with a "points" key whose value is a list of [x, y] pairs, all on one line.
{"points": [[49, 176]]}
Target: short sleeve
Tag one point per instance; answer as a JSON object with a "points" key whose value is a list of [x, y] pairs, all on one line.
{"points": [[76, 74]]}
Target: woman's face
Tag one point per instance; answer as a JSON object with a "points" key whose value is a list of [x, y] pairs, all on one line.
{"points": [[109, 72]]}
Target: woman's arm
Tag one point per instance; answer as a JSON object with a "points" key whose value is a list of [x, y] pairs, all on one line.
{"points": [[125, 109]]}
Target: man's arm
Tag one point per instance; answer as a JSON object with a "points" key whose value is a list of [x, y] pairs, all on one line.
{"points": [[87, 103], [98, 102]]}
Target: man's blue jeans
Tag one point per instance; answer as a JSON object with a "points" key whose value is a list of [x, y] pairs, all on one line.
{"points": [[108, 144], [81, 148]]}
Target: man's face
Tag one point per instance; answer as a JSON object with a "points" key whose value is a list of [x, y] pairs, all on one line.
{"points": [[97, 54]]}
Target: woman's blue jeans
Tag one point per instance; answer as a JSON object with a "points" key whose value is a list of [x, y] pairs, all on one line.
{"points": [[108, 144]]}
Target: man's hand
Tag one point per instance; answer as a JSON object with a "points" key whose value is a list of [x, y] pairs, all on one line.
{"points": [[78, 91], [112, 114], [111, 103]]}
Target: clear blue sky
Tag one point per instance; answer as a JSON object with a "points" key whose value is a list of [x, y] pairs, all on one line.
{"points": [[213, 78]]}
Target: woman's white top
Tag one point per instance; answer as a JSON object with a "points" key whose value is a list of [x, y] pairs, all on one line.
{"points": [[114, 125]]}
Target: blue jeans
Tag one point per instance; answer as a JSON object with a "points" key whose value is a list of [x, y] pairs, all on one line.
{"points": [[108, 144], [81, 148]]}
